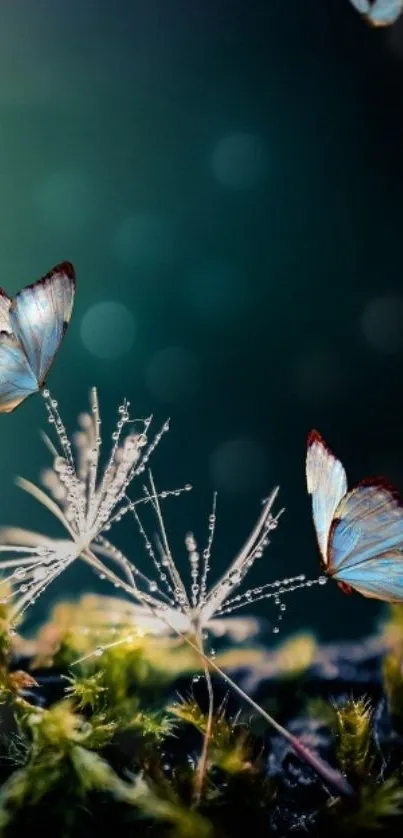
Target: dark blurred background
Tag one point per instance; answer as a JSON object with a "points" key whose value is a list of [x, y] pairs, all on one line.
{"points": [[227, 179]]}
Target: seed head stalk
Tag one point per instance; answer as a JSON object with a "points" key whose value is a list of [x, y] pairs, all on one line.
{"points": [[202, 766], [329, 775]]}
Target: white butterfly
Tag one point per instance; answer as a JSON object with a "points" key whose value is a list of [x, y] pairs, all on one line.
{"points": [[32, 327], [359, 532]]}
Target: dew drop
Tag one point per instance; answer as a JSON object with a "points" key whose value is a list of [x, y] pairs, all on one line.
{"points": [[39, 573]]}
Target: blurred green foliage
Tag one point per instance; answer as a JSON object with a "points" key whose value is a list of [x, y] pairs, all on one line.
{"points": [[115, 744]]}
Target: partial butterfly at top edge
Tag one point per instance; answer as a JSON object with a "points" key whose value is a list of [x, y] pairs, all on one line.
{"points": [[32, 327], [379, 13], [359, 532]]}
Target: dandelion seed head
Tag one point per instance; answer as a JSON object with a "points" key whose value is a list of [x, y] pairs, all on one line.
{"points": [[191, 608], [88, 493], [85, 496]]}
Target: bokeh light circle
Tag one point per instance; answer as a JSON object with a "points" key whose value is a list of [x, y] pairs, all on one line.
{"points": [[239, 161], [107, 330], [382, 323], [238, 466], [144, 241], [173, 374]]}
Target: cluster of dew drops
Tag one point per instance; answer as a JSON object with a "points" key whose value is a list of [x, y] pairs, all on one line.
{"points": [[286, 586]]}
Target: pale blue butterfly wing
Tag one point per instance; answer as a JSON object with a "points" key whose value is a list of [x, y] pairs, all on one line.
{"points": [[379, 578], [379, 12], [17, 380], [327, 484], [362, 6], [368, 521], [39, 316], [385, 12], [366, 541], [362, 546]]}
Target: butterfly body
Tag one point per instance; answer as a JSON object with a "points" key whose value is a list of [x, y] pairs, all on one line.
{"points": [[32, 327], [359, 531]]}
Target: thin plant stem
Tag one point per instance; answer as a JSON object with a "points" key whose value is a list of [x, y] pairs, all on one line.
{"points": [[328, 774], [202, 766]]}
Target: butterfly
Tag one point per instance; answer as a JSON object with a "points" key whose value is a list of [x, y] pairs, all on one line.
{"points": [[379, 12], [359, 532], [32, 327]]}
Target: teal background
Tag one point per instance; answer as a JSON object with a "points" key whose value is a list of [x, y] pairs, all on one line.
{"points": [[254, 272]]}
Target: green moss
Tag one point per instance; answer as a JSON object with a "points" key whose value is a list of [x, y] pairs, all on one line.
{"points": [[353, 724], [393, 683], [377, 804], [59, 747], [117, 749], [230, 747]]}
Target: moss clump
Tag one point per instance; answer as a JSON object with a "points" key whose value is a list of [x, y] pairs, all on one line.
{"points": [[354, 739], [115, 745]]}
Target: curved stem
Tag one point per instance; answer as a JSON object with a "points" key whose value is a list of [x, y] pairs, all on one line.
{"points": [[328, 774], [202, 766]]}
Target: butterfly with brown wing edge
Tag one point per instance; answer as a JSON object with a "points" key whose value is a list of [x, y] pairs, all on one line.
{"points": [[32, 327], [359, 532]]}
